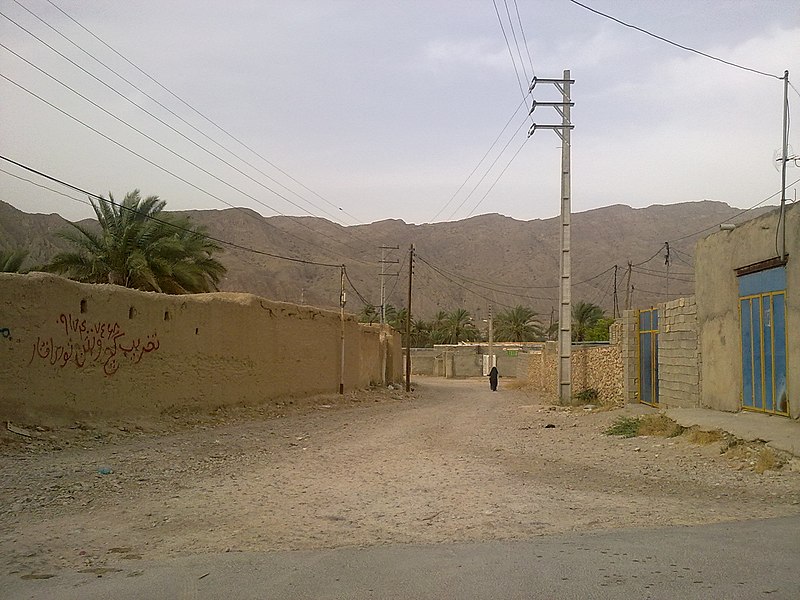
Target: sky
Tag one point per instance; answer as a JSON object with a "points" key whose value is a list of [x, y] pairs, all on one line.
{"points": [[359, 111]]}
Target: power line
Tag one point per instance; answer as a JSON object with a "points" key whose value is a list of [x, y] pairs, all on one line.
{"points": [[494, 143], [677, 45], [510, 53], [516, 42], [39, 185], [160, 167], [156, 101], [491, 187], [361, 297], [736, 216], [200, 114], [475, 187], [140, 132], [525, 39], [163, 221]]}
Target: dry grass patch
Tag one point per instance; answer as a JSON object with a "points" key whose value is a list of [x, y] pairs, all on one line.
{"points": [[705, 438], [659, 425], [768, 460]]}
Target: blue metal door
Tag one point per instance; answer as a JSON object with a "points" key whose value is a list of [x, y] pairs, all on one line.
{"points": [[762, 314], [648, 356]]}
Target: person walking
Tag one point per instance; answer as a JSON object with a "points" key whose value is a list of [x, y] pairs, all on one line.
{"points": [[493, 375]]}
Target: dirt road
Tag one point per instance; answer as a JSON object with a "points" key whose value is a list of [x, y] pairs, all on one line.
{"points": [[453, 461]]}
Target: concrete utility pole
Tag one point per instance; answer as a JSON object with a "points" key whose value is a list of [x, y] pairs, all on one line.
{"points": [[784, 159], [491, 339], [342, 301], [565, 290], [408, 319], [616, 298], [384, 275]]}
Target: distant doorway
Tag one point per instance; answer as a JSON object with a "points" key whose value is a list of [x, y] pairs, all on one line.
{"points": [[648, 356]]}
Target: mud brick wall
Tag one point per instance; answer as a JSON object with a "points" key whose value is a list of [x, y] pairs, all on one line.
{"points": [[72, 351], [678, 354]]}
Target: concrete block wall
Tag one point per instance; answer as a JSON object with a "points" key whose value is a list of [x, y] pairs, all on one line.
{"points": [[679, 383], [630, 356]]}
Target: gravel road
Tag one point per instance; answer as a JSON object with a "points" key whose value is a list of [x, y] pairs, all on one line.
{"points": [[450, 462]]}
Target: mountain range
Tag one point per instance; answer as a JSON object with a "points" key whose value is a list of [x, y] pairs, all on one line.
{"points": [[474, 263]]}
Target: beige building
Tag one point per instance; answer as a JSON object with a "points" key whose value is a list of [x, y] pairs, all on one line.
{"points": [[748, 314]]}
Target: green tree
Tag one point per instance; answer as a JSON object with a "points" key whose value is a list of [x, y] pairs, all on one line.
{"points": [[140, 246], [518, 324], [600, 331], [11, 260], [585, 316], [458, 327], [369, 314]]}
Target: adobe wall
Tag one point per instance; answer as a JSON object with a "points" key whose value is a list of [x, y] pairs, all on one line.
{"points": [[72, 351]]}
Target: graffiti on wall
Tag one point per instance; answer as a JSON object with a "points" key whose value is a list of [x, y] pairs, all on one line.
{"points": [[103, 343]]}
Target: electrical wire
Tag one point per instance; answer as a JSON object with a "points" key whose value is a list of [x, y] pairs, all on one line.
{"points": [[736, 216], [355, 289], [163, 221], [494, 162], [491, 187], [677, 45], [156, 101], [176, 154], [525, 39], [516, 42], [510, 53], [494, 143], [200, 114], [39, 185], [164, 169]]}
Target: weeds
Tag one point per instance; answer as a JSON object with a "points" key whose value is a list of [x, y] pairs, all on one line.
{"points": [[655, 425], [659, 425], [626, 427]]}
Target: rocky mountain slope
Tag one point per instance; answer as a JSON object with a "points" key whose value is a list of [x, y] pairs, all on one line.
{"points": [[488, 259]]}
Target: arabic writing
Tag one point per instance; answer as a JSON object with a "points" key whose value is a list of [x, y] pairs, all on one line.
{"points": [[103, 343]]}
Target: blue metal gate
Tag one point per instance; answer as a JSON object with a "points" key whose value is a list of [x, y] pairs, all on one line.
{"points": [[648, 356], [762, 314]]}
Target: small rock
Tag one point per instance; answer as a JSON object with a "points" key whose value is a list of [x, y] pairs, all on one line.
{"points": [[637, 449], [549, 426]]}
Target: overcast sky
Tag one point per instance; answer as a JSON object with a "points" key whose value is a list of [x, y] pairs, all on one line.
{"points": [[383, 108]]}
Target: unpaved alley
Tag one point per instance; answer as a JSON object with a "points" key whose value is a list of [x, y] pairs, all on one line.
{"points": [[450, 462]]}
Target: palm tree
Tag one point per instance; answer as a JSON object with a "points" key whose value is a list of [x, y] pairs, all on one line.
{"points": [[11, 260], [458, 327], [369, 314], [518, 324], [585, 315], [139, 246]]}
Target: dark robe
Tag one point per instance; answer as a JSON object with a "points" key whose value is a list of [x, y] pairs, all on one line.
{"points": [[493, 375]]}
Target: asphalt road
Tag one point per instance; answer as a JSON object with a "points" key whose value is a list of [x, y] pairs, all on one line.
{"points": [[737, 560]]}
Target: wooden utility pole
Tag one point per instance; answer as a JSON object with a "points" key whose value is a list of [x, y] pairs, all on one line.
{"points": [[628, 290]]}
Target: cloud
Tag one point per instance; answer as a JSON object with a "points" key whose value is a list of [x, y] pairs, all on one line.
{"points": [[482, 53]]}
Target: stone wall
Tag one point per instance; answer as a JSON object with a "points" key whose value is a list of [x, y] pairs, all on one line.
{"points": [[82, 352], [593, 367], [678, 354]]}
